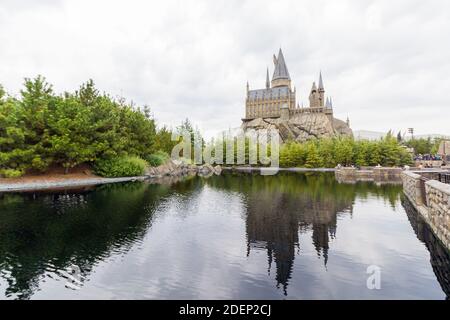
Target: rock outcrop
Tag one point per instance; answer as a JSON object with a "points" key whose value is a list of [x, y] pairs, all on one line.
{"points": [[180, 168], [171, 168], [302, 127]]}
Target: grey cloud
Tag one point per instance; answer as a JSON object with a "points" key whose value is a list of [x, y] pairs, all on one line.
{"points": [[385, 63]]}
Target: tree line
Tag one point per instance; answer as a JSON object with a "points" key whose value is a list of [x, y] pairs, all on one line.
{"points": [[345, 151], [40, 129]]}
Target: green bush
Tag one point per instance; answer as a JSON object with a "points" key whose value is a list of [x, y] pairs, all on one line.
{"points": [[157, 158], [120, 167], [11, 173]]}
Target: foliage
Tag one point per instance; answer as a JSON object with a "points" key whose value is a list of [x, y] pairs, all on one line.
{"points": [[120, 167], [163, 140], [330, 152], [424, 146], [196, 138], [11, 173], [40, 129], [157, 158]]}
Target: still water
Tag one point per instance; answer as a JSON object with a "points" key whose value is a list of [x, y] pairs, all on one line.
{"points": [[290, 236]]}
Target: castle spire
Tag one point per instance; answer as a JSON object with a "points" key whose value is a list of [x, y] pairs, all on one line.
{"points": [[281, 71], [267, 79], [314, 88], [327, 104], [321, 88]]}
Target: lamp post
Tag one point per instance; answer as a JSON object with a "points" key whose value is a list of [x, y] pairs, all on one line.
{"points": [[411, 131]]}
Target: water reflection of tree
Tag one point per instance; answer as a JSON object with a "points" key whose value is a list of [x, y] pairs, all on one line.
{"points": [[45, 233], [439, 255], [281, 206]]}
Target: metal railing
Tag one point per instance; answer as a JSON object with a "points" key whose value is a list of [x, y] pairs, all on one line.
{"points": [[444, 177]]}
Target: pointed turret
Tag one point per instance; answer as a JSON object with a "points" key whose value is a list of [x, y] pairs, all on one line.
{"points": [[348, 122], [267, 79], [314, 88], [327, 104], [321, 91], [321, 82], [281, 75]]}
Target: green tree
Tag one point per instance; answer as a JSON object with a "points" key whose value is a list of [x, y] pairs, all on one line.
{"points": [[313, 159], [163, 140], [70, 133]]}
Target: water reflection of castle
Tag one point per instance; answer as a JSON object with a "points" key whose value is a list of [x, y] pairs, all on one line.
{"points": [[276, 217], [274, 221]]}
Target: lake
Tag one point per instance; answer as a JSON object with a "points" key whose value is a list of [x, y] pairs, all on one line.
{"points": [[235, 236]]}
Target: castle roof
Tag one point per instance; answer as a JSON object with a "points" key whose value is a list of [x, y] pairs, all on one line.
{"points": [[281, 71], [268, 93]]}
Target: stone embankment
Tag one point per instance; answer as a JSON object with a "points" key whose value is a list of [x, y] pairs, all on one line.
{"points": [[376, 174], [431, 199], [170, 169]]}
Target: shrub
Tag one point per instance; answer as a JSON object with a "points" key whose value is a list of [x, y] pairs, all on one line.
{"points": [[157, 158], [120, 167], [11, 173]]}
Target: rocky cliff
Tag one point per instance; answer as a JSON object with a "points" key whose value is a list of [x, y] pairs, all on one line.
{"points": [[302, 127]]}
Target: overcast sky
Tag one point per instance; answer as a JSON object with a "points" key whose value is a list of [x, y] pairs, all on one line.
{"points": [[385, 63]]}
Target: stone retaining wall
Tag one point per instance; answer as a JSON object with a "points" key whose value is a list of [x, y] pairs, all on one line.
{"points": [[438, 204], [433, 204], [411, 187], [350, 175]]}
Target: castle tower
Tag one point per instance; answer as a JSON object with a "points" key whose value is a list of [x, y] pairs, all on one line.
{"points": [[314, 97], [280, 76], [271, 101], [321, 91]]}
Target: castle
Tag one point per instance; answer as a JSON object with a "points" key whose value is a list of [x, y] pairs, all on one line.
{"points": [[278, 100]]}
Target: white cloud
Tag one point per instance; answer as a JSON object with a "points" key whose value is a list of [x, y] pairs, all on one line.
{"points": [[385, 63]]}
